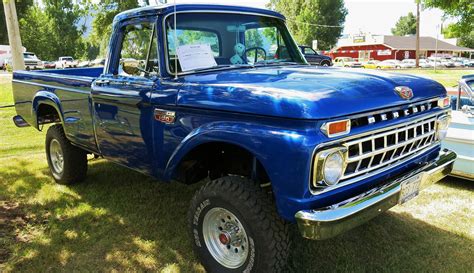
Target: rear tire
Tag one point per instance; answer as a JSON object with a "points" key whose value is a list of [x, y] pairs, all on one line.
{"points": [[235, 228], [67, 163]]}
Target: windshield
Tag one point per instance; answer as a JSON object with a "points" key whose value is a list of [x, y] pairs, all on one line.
{"points": [[69, 59], [29, 56], [218, 41]]}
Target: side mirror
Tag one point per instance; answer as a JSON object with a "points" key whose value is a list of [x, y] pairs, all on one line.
{"points": [[130, 66]]}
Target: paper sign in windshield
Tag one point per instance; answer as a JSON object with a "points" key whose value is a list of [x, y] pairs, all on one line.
{"points": [[192, 57]]}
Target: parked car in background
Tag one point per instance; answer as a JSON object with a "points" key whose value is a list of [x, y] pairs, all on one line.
{"points": [[66, 62], [371, 64], [424, 63], [49, 65], [447, 63], [460, 135], [98, 62], [408, 63], [314, 57], [32, 62], [459, 61], [389, 64], [347, 62], [83, 64]]}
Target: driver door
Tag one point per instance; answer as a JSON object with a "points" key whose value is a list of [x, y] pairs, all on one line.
{"points": [[121, 100]]}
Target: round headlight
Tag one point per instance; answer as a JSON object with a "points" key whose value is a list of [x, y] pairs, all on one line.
{"points": [[333, 168]]}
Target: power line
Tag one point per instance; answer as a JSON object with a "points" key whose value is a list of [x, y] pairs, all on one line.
{"points": [[310, 24]]}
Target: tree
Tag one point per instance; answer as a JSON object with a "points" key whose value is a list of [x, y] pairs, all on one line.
{"points": [[104, 13], [310, 20], [53, 30], [465, 39], [21, 8], [406, 25], [463, 12]]}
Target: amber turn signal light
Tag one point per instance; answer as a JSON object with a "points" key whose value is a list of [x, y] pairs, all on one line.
{"points": [[336, 128], [444, 102]]}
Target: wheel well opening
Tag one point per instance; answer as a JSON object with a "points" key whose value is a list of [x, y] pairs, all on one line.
{"points": [[220, 159], [47, 114]]}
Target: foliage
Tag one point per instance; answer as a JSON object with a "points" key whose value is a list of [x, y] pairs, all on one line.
{"points": [[454, 31], [54, 30], [21, 8], [104, 13], [309, 20], [406, 25], [463, 12]]}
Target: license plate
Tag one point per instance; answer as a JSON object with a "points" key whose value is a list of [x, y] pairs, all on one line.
{"points": [[410, 189]]}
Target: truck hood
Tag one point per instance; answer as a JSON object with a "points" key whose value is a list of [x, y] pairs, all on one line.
{"points": [[301, 92]]}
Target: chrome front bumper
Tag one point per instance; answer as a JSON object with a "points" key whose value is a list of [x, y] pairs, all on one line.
{"points": [[325, 223]]}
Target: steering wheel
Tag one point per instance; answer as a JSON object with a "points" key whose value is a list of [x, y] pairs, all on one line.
{"points": [[256, 48]]}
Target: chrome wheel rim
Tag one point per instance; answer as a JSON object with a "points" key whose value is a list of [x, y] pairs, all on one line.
{"points": [[225, 238], [56, 156]]}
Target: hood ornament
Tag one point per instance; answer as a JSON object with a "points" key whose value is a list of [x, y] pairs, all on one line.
{"points": [[404, 92]]}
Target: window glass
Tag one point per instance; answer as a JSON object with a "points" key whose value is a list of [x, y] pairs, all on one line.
{"points": [[309, 51], [267, 38], [235, 39], [138, 56], [193, 37]]}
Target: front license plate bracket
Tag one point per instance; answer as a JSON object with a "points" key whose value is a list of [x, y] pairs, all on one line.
{"points": [[410, 188]]}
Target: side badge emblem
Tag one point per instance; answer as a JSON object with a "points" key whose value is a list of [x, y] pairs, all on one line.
{"points": [[404, 92], [165, 116]]}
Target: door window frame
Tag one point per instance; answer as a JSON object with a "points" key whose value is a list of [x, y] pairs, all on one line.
{"points": [[116, 42]]}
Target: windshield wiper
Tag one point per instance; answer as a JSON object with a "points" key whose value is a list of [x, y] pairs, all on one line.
{"points": [[266, 63]]}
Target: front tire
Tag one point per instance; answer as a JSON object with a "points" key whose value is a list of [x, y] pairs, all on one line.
{"points": [[235, 228], [67, 163]]}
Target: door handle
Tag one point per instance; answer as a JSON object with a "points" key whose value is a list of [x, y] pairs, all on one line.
{"points": [[102, 82]]}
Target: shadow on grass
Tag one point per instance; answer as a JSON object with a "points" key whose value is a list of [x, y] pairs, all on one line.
{"points": [[121, 220], [458, 183]]}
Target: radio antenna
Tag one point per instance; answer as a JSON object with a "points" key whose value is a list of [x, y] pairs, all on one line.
{"points": [[175, 45]]}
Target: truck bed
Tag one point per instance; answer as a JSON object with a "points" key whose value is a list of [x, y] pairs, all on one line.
{"points": [[68, 88]]}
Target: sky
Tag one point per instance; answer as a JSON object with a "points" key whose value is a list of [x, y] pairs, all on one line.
{"points": [[368, 16]]}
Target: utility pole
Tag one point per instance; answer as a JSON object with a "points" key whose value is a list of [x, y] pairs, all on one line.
{"points": [[436, 49], [14, 34], [417, 33]]}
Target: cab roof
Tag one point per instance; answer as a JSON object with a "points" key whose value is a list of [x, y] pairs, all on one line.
{"points": [[169, 8]]}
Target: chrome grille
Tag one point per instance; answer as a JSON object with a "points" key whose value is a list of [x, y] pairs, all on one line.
{"points": [[376, 151]]}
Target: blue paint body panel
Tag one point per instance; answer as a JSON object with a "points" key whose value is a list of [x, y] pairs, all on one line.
{"points": [[273, 112]]}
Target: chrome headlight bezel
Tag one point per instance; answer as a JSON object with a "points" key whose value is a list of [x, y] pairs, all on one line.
{"points": [[319, 166], [442, 125]]}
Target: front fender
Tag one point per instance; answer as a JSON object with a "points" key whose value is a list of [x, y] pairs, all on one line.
{"points": [[285, 154], [49, 98]]}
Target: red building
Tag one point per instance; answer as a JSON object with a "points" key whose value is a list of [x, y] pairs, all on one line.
{"points": [[383, 47]]}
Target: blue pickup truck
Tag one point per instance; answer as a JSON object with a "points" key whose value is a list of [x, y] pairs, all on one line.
{"points": [[223, 95]]}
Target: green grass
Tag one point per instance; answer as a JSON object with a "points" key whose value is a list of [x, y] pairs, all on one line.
{"points": [[447, 77], [120, 220]]}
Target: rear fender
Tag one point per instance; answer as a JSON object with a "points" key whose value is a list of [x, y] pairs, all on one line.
{"points": [[48, 98]]}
